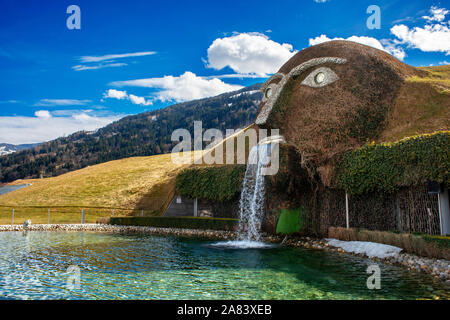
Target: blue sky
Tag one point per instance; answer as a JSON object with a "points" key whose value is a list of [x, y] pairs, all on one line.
{"points": [[134, 56]]}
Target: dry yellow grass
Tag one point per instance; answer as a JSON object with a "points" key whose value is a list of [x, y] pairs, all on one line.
{"points": [[423, 105], [126, 185], [438, 76], [131, 186]]}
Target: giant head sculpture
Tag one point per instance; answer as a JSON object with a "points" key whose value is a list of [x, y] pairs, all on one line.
{"points": [[331, 98]]}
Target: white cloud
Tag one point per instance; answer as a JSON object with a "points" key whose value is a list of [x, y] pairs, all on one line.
{"points": [[437, 14], [43, 114], [107, 60], [187, 86], [139, 100], [115, 56], [82, 67], [120, 95], [320, 1], [17, 130], [61, 102], [248, 53], [431, 38], [368, 41], [235, 75], [9, 101], [444, 63], [115, 94]]}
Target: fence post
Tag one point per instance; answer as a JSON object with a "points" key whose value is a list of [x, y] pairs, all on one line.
{"points": [[82, 216], [347, 223], [441, 227], [142, 213], [48, 216], [12, 218], [195, 207]]}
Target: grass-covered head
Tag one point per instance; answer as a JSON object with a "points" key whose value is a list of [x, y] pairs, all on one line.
{"points": [[331, 98]]}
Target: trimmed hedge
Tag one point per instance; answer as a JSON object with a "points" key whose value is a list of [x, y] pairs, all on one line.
{"points": [[388, 166], [218, 183], [441, 241], [177, 222]]}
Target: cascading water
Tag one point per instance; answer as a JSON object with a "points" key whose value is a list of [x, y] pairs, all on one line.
{"points": [[251, 205]]}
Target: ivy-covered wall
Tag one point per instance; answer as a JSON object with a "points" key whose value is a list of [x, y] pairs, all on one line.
{"points": [[217, 183], [387, 167]]}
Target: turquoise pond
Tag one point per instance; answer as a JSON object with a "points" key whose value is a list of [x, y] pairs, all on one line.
{"points": [[34, 265]]}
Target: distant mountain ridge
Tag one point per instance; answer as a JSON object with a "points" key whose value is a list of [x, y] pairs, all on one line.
{"points": [[142, 134], [7, 148]]}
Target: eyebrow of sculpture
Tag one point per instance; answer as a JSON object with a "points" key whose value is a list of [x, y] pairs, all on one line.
{"points": [[268, 105], [304, 66], [315, 62], [268, 81]]}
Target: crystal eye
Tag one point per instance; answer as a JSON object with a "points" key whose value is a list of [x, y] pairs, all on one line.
{"points": [[268, 93], [320, 77]]}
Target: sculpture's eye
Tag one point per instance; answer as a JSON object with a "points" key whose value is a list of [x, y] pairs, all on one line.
{"points": [[269, 91], [320, 77]]}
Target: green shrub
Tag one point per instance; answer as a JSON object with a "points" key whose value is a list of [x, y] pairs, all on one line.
{"points": [[388, 166], [177, 222], [441, 241], [218, 183]]}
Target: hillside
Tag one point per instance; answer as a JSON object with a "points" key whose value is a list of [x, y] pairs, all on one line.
{"points": [[423, 105], [125, 186], [143, 134], [131, 186], [6, 148]]}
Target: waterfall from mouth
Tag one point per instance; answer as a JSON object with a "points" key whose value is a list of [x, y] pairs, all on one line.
{"points": [[251, 205]]}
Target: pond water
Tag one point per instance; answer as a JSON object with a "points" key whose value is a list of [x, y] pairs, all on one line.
{"points": [[34, 265]]}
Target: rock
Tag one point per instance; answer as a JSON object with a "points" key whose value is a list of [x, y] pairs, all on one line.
{"points": [[26, 224]]}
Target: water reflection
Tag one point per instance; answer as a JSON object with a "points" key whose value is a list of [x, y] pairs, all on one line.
{"points": [[113, 266]]}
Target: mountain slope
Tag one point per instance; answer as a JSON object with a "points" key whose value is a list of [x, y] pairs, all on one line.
{"points": [[143, 134], [6, 148]]}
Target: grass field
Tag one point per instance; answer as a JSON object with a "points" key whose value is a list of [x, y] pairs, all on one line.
{"points": [[423, 105], [132, 185]]}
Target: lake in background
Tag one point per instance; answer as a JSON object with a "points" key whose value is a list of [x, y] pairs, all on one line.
{"points": [[7, 189]]}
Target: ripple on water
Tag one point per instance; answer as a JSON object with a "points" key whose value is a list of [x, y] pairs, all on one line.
{"points": [[243, 244], [34, 265]]}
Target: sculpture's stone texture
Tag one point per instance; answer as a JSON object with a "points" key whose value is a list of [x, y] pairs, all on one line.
{"points": [[332, 98]]}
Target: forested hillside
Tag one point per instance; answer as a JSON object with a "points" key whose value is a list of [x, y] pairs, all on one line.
{"points": [[137, 135]]}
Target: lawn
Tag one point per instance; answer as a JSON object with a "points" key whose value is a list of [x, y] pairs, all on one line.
{"points": [[139, 185]]}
